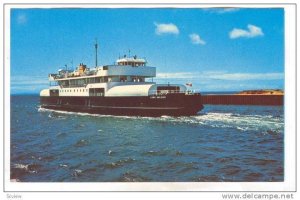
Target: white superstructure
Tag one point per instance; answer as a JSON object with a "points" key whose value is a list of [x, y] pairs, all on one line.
{"points": [[129, 76]]}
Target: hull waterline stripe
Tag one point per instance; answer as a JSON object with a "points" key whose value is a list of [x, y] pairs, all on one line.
{"points": [[116, 107]]}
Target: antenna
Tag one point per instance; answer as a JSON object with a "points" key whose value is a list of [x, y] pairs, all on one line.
{"points": [[96, 49], [129, 53]]}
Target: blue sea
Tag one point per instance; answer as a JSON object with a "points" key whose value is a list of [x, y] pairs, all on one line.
{"points": [[221, 143]]}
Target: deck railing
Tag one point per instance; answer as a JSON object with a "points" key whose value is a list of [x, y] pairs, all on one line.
{"points": [[163, 93]]}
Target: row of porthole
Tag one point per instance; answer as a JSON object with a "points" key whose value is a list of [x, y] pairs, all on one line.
{"points": [[74, 90]]}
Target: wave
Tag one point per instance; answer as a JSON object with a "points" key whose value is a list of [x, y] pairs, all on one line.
{"points": [[20, 166], [267, 124], [81, 143], [240, 122], [77, 172], [132, 177], [80, 114], [119, 163], [29, 168]]}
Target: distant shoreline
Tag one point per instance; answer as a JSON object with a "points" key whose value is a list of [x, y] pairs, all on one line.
{"points": [[261, 92], [244, 99]]}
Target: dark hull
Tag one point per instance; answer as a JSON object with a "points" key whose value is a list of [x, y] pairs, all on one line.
{"points": [[171, 104]]}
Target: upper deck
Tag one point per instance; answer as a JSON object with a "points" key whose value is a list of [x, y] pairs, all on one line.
{"points": [[123, 67]]}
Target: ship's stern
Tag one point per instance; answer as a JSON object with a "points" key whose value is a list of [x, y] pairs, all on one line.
{"points": [[188, 103]]}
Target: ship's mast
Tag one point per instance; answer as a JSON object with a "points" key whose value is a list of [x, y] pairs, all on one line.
{"points": [[96, 49]]}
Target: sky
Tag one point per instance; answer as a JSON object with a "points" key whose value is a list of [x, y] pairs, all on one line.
{"points": [[215, 49]]}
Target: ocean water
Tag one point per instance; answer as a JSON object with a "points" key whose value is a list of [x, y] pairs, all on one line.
{"points": [[221, 143]]}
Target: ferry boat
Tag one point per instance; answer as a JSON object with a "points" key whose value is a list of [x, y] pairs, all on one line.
{"points": [[123, 88]]}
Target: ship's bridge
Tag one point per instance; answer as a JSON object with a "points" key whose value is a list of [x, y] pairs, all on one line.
{"points": [[126, 70], [134, 61]]}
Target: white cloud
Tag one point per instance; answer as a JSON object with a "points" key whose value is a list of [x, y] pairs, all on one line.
{"points": [[177, 75], [166, 29], [253, 31], [28, 84], [224, 81], [226, 10], [29, 80], [221, 10], [21, 19], [220, 75], [248, 76], [195, 39]]}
